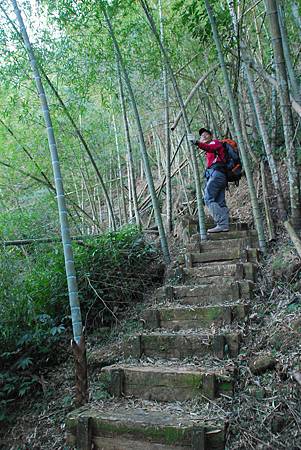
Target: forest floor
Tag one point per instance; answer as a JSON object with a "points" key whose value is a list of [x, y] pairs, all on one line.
{"points": [[265, 412]]}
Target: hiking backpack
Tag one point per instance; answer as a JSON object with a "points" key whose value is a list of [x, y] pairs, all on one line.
{"points": [[233, 162]]}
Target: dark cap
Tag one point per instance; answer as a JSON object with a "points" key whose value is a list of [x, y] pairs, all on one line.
{"points": [[203, 130]]}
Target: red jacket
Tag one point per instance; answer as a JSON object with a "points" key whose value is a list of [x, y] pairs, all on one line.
{"points": [[215, 152]]}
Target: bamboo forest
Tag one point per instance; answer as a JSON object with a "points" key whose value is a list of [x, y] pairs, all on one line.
{"points": [[150, 224]]}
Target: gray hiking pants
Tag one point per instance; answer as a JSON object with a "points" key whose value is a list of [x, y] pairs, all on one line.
{"points": [[214, 197]]}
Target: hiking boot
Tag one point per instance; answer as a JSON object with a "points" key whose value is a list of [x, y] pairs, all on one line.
{"points": [[218, 229]]}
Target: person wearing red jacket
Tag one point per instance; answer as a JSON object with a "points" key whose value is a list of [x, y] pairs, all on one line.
{"points": [[216, 180]]}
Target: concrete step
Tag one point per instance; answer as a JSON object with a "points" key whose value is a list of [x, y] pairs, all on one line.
{"points": [[180, 345], [213, 292], [126, 427], [167, 383], [187, 318]]}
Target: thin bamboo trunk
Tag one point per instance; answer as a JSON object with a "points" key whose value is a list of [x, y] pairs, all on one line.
{"points": [[157, 152], [169, 214], [265, 196], [286, 112], [266, 76], [197, 179], [78, 342], [192, 94], [132, 177], [274, 116], [130, 209], [86, 147], [28, 154], [295, 85], [124, 208], [255, 206], [293, 236], [266, 143], [147, 168], [176, 152], [242, 116], [296, 15], [257, 29]]}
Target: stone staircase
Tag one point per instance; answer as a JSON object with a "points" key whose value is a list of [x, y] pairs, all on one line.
{"points": [[196, 316]]}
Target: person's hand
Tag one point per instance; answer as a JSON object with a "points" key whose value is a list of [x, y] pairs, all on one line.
{"points": [[191, 138]]}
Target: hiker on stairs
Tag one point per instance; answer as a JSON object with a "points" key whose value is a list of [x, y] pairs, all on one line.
{"points": [[216, 180]]}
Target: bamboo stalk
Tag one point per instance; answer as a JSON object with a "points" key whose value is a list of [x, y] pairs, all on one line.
{"points": [[145, 158]]}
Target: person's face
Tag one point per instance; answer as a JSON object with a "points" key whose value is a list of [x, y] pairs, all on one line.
{"points": [[205, 137]]}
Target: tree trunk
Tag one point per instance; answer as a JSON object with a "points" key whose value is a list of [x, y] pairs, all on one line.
{"points": [[255, 206], [81, 371], [147, 168], [77, 326], [286, 112]]}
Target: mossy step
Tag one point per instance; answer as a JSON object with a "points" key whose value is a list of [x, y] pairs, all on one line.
{"points": [[196, 245], [182, 318], [220, 272], [167, 383], [232, 255], [126, 428], [167, 345], [214, 292]]}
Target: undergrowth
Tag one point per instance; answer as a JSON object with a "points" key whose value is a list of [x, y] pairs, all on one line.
{"points": [[114, 270]]}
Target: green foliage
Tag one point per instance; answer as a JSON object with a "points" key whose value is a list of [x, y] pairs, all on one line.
{"points": [[194, 16], [113, 272], [36, 217]]}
